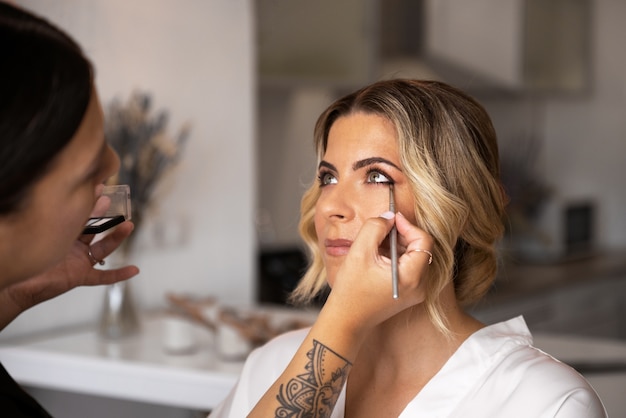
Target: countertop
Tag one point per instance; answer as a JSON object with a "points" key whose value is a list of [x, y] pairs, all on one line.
{"points": [[133, 368], [518, 280], [138, 368]]}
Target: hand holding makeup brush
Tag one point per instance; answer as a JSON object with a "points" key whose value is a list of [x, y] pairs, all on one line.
{"points": [[363, 282]]}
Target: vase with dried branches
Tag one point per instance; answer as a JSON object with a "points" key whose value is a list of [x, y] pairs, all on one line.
{"points": [[147, 154]]}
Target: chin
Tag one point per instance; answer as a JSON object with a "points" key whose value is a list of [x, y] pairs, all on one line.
{"points": [[330, 278]]}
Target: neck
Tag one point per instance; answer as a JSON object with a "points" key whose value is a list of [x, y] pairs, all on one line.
{"points": [[402, 355], [409, 342]]}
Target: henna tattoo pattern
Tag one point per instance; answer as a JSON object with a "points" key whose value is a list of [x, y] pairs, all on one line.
{"points": [[313, 394]]}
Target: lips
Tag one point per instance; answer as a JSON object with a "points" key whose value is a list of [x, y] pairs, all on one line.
{"points": [[337, 247]]}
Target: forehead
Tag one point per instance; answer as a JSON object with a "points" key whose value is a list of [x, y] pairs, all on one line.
{"points": [[361, 134]]}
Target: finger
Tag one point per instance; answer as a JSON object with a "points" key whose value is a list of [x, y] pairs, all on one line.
{"points": [[373, 233], [102, 205], [99, 189], [413, 237], [415, 261], [102, 277], [104, 247]]}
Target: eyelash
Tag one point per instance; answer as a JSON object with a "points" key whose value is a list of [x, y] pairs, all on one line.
{"points": [[324, 173], [380, 172], [320, 177]]}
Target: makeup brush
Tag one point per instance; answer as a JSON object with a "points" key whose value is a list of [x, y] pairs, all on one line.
{"points": [[393, 246]]}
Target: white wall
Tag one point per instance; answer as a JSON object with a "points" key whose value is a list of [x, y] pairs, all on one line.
{"points": [[197, 58], [288, 162]]}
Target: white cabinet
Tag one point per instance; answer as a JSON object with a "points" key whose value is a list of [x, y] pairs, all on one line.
{"points": [[531, 45], [511, 45], [322, 41]]}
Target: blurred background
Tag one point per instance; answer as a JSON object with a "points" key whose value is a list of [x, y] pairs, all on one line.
{"points": [[551, 75], [251, 77]]}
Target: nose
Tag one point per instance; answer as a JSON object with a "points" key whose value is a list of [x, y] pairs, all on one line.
{"points": [[112, 162], [337, 203]]}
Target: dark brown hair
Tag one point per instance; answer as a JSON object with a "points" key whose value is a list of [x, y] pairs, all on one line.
{"points": [[45, 87]]}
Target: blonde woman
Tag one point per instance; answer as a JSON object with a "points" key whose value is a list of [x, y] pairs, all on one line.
{"points": [[420, 354]]}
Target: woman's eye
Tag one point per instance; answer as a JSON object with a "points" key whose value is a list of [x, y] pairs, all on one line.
{"points": [[377, 177], [326, 179]]}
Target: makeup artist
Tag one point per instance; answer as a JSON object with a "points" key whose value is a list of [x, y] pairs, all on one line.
{"points": [[53, 162], [420, 355]]}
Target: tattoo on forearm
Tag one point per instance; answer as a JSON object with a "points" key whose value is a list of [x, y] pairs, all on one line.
{"points": [[313, 394]]}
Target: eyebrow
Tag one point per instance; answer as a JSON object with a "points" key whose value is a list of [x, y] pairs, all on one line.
{"points": [[373, 160], [360, 164]]}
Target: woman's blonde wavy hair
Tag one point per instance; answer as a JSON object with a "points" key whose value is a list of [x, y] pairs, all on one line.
{"points": [[449, 153]]}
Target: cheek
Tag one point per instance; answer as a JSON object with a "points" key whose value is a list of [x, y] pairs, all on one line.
{"points": [[319, 220], [76, 214], [56, 232], [318, 223], [78, 211], [408, 211], [405, 203], [376, 202]]}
